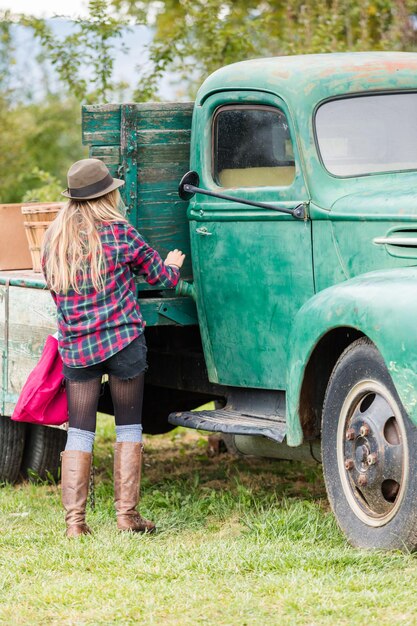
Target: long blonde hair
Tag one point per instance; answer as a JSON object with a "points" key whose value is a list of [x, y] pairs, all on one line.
{"points": [[72, 248]]}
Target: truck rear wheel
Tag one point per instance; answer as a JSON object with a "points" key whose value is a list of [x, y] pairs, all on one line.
{"points": [[368, 453], [12, 442], [41, 459]]}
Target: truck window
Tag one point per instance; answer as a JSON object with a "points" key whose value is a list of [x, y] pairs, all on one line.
{"points": [[368, 134], [252, 147]]}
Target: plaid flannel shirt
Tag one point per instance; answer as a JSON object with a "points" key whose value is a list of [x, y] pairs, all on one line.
{"points": [[95, 325]]}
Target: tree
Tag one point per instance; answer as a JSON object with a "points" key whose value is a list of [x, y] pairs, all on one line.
{"points": [[195, 37], [7, 59], [84, 59], [40, 139], [37, 136]]}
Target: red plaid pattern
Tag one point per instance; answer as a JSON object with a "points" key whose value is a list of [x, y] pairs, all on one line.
{"points": [[95, 325]]}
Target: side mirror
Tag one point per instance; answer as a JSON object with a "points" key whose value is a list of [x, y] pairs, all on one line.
{"points": [[188, 185]]}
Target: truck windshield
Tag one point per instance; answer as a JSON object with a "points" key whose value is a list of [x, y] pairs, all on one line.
{"points": [[252, 147], [368, 134]]}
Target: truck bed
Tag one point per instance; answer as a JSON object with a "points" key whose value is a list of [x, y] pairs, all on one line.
{"points": [[22, 278], [28, 316]]}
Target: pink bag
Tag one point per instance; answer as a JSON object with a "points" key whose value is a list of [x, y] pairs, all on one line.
{"points": [[43, 399]]}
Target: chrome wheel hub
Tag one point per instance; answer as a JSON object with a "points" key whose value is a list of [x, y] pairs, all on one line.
{"points": [[372, 452]]}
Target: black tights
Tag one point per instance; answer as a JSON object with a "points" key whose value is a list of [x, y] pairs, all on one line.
{"points": [[83, 396]]}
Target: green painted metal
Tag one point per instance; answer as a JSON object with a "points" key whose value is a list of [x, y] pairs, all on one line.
{"points": [[184, 288], [303, 82], [383, 306], [183, 312], [168, 311], [254, 268], [352, 220], [33, 281]]}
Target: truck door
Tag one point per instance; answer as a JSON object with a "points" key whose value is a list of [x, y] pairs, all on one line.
{"points": [[252, 266]]}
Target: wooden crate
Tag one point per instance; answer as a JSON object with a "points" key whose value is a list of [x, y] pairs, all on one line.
{"points": [[14, 253], [38, 216]]}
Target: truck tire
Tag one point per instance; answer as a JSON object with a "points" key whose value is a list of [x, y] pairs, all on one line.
{"points": [[12, 442], [41, 458], [369, 453]]}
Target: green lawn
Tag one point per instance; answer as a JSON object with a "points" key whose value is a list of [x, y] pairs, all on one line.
{"points": [[240, 541]]}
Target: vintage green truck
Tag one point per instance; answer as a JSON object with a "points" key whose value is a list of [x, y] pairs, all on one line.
{"points": [[297, 307]]}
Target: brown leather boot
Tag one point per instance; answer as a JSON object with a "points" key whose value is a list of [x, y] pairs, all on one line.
{"points": [[127, 475], [75, 476]]}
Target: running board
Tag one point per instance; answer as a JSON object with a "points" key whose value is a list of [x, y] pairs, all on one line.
{"points": [[231, 422]]}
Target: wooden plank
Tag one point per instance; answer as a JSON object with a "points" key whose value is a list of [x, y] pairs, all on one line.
{"points": [[129, 167], [101, 124], [101, 138], [161, 175], [165, 226], [110, 155], [175, 117], [22, 278], [100, 109], [161, 108], [165, 122], [158, 154], [161, 136], [167, 194]]}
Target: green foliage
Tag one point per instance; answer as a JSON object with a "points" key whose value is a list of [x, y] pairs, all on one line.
{"points": [[195, 37], [84, 59], [42, 135], [7, 59], [49, 189]]}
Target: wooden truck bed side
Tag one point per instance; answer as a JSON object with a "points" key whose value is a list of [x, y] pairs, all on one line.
{"points": [[149, 146]]}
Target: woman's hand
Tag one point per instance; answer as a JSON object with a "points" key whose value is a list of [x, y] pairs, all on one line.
{"points": [[175, 258]]}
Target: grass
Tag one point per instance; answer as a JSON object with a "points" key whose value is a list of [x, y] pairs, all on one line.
{"points": [[240, 541]]}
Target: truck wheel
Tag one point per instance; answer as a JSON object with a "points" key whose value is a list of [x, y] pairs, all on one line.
{"points": [[12, 442], [369, 453], [41, 459]]}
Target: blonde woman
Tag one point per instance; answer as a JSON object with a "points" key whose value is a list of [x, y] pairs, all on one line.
{"points": [[90, 255]]}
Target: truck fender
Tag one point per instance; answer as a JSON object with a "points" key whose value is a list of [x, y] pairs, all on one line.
{"points": [[381, 305]]}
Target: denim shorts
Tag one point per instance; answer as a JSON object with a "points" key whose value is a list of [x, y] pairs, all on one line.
{"points": [[125, 364]]}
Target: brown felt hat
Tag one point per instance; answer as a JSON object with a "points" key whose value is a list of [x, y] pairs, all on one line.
{"points": [[88, 179]]}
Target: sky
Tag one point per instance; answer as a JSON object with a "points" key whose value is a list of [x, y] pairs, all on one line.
{"points": [[46, 8], [28, 76], [136, 39]]}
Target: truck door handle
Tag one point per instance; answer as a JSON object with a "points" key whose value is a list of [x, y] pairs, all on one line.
{"points": [[203, 231], [410, 242]]}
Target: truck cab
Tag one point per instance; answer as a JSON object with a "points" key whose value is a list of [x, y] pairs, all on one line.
{"points": [[319, 309]]}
